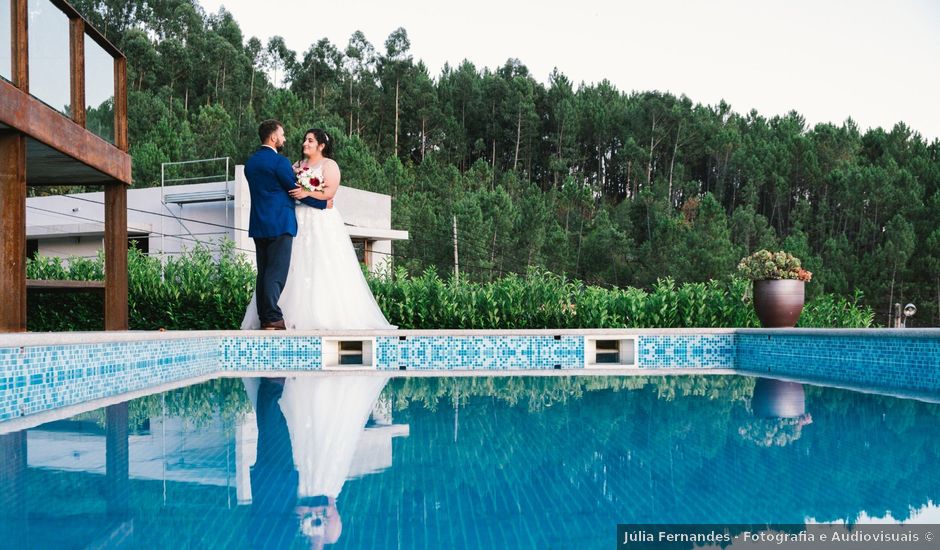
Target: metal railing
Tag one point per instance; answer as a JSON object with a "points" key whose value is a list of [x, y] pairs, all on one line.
{"points": [[192, 172]]}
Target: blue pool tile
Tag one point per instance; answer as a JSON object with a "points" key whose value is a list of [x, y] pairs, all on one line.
{"points": [[36, 378]]}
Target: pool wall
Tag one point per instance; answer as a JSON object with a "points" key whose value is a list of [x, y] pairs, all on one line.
{"points": [[481, 351], [41, 372], [907, 359], [44, 377]]}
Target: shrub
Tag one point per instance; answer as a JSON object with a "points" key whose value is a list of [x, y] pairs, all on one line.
{"points": [[763, 265], [196, 291]]}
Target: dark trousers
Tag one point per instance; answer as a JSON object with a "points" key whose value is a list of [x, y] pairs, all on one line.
{"points": [[273, 522], [273, 256]]}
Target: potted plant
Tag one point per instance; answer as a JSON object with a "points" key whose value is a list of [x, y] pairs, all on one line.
{"points": [[778, 286], [774, 432], [778, 413]]}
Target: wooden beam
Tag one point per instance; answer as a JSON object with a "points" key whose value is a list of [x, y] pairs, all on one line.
{"points": [[20, 44], [72, 13], [115, 257], [77, 61], [367, 253], [120, 105], [55, 284], [13, 230], [43, 123], [116, 458]]}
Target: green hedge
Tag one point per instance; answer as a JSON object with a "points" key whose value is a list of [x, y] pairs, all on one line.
{"points": [[544, 300], [193, 291], [196, 291]]}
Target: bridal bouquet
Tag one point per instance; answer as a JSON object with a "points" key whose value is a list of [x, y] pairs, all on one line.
{"points": [[310, 179]]}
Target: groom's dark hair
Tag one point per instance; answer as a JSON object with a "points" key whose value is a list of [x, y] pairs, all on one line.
{"points": [[267, 128]]}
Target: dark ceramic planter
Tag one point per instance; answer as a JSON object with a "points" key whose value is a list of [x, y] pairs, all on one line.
{"points": [[778, 302], [778, 399]]}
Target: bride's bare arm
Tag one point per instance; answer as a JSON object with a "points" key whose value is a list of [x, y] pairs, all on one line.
{"points": [[331, 181]]}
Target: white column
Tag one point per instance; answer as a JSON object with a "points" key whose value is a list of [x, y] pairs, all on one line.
{"points": [[242, 209]]}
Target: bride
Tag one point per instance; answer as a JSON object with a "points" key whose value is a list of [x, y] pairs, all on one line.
{"points": [[325, 287]]}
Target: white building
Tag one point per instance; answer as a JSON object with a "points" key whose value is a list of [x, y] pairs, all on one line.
{"points": [[174, 449], [168, 220]]}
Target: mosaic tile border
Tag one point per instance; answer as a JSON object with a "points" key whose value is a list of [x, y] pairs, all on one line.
{"points": [[693, 351], [49, 376], [479, 352], [271, 353], [40, 378]]}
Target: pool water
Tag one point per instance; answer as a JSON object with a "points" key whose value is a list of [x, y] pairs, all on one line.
{"points": [[495, 462]]}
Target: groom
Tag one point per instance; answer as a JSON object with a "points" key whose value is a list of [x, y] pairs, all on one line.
{"points": [[271, 222]]}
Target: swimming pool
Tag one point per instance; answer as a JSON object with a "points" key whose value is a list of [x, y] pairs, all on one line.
{"points": [[51, 375], [506, 461]]}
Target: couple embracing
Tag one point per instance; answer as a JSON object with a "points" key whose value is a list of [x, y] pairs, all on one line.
{"points": [[308, 274], [308, 278]]}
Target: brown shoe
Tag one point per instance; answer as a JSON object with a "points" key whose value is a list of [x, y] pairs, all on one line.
{"points": [[274, 325]]}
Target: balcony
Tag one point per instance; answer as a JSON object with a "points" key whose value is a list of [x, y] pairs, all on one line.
{"points": [[63, 121]]}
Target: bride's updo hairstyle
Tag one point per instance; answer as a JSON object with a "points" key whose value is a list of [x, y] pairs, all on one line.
{"points": [[324, 138]]}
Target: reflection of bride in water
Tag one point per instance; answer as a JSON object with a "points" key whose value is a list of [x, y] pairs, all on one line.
{"points": [[325, 418], [308, 432]]}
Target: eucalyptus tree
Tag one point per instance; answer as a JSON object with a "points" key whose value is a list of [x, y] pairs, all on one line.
{"points": [[254, 51], [320, 76], [278, 57], [392, 67], [360, 73]]}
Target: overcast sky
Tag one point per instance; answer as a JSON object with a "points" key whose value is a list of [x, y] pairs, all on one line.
{"points": [[876, 61]]}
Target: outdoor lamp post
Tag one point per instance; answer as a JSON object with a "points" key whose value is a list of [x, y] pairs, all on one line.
{"points": [[909, 311]]}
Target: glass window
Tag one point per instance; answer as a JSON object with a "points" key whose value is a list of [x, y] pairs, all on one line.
{"points": [[99, 90], [141, 242], [360, 247], [6, 41], [49, 75]]}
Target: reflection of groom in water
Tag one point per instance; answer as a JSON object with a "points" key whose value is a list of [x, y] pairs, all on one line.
{"points": [[276, 513]]}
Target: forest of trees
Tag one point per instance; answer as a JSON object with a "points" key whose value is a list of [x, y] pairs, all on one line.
{"points": [[609, 186]]}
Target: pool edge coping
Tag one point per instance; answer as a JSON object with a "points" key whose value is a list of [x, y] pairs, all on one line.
{"points": [[23, 339]]}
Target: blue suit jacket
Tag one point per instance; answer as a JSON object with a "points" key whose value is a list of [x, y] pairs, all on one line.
{"points": [[270, 176]]}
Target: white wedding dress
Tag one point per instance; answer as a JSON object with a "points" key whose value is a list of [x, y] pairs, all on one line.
{"points": [[325, 289], [325, 286]]}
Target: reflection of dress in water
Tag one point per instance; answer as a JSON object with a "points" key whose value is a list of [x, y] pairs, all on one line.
{"points": [[325, 286], [326, 417], [308, 431]]}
